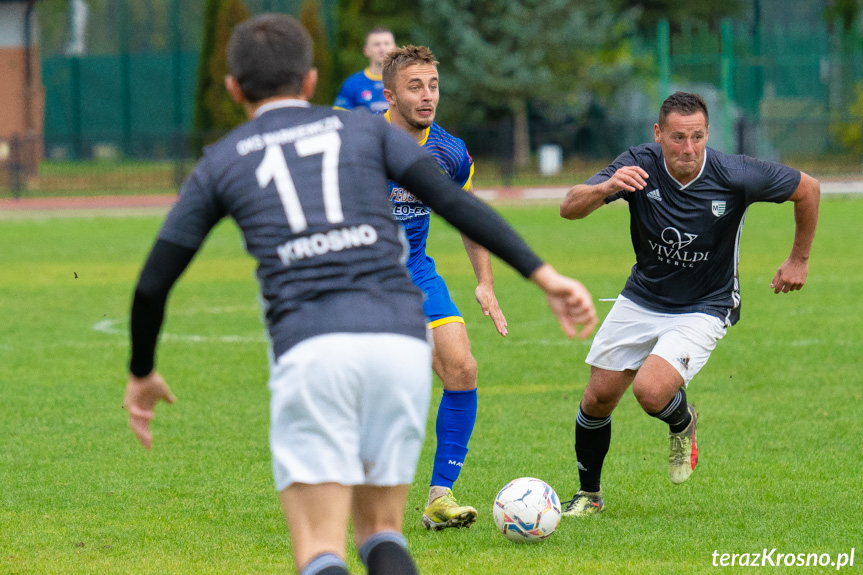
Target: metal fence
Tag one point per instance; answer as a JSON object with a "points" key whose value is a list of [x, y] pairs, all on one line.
{"points": [[780, 90], [775, 92]]}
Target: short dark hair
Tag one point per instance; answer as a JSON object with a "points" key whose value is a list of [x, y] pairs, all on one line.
{"points": [[270, 55], [685, 104], [403, 57]]}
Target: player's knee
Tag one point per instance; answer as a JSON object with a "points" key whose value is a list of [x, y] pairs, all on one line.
{"points": [[459, 375], [651, 399], [598, 402]]}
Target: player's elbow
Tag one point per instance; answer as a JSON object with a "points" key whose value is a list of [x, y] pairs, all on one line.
{"points": [[816, 191], [576, 205], [570, 211], [808, 191]]}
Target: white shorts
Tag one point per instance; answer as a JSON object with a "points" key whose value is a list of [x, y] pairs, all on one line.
{"points": [[350, 409], [631, 332]]}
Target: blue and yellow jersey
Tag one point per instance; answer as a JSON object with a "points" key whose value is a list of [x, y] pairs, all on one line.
{"points": [[452, 155], [362, 89]]}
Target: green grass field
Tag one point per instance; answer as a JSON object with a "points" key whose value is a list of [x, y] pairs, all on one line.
{"points": [[779, 433]]}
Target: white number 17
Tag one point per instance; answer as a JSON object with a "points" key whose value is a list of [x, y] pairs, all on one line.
{"points": [[274, 168]]}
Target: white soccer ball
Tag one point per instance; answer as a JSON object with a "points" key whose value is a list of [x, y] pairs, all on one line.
{"points": [[526, 510]]}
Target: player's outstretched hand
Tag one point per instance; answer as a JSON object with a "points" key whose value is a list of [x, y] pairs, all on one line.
{"points": [[142, 395], [790, 276], [484, 294], [569, 300]]}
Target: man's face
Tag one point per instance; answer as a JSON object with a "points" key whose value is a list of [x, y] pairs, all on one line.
{"points": [[683, 140], [377, 46], [416, 95]]}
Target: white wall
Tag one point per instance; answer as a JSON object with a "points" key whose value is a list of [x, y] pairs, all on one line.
{"points": [[12, 24]]}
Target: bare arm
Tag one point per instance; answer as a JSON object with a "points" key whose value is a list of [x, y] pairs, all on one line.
{"points": [[791, 275], [583, 199], [480, 259]]}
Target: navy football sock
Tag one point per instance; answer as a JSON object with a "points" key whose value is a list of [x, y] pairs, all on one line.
{"points": [[386, 553], [676, 413], [455, 420], [592, 438], [325, 564]]}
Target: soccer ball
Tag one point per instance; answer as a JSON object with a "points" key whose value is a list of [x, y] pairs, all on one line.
{"points": [[526, 510]]}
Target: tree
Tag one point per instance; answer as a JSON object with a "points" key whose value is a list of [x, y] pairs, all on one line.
{"points": [[510, 54], [356, 17], [53, 24], [310, 17], [215, 113], [849, 131], [846, 11], [650, 12]]}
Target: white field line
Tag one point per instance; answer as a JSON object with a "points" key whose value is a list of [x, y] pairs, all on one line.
{"points": [[110, 327]]}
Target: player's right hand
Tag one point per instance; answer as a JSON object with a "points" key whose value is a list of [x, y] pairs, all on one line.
{"points": [[570, 301], [142, 395], [488, 302], [629, 178]]}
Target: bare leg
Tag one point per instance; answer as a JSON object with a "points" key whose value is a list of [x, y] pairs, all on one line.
{"points": [[452, 360], [604, 391], [317, 517], [378, 509], [656, 384]]}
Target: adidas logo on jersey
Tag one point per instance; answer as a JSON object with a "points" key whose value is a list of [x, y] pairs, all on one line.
{"points": [[654, 195]]}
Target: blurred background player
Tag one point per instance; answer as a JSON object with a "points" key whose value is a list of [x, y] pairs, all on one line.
{"points": [[411, 89], [687, 203], [350, 375], [365, 89]]}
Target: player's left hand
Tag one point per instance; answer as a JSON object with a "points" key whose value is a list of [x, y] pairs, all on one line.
{"points": [[488, 302], [790, 276], [142, 395]]}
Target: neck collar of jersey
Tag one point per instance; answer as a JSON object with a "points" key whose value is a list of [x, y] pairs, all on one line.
{"points": [[693, 180], [370, 76], [283, 103], [425, 137]]}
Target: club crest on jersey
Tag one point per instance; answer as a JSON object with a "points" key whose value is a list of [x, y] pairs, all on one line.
{"points": [[718, 208]]}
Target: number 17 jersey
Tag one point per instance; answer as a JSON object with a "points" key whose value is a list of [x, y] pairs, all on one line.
{"points": [[305, 186]]}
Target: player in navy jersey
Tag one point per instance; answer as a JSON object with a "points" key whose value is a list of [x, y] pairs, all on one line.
{"points": [[350, 364], [687, 204], [365, 89], [411, 88]]}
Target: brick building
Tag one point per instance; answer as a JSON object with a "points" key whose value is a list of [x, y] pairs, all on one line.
{"points": [[21, 93]]}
